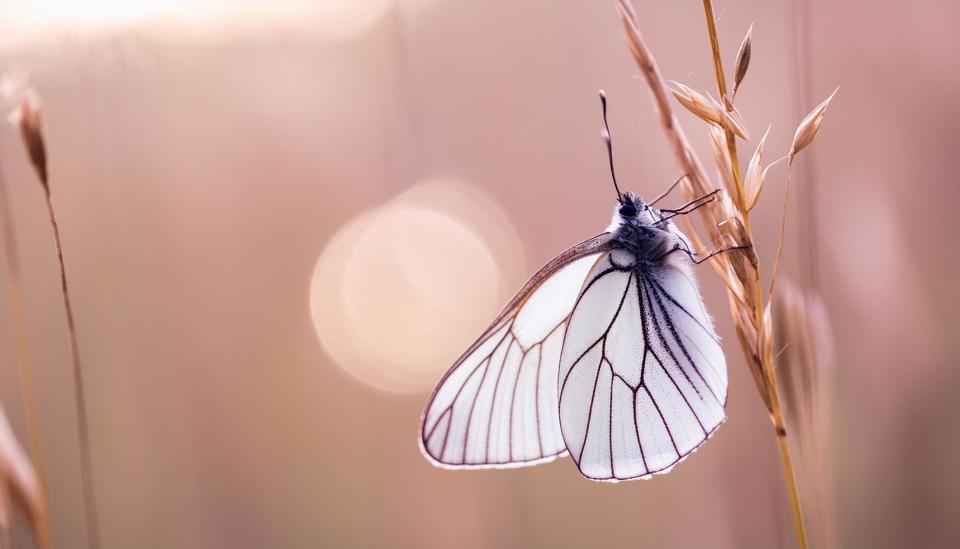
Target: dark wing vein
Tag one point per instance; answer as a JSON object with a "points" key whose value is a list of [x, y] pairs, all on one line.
{"points": [[493, 399], [513, 401], [603, 354], [636, 429], [536, 402], [662, 419], [473, 405], [610, 416], [586, 432], [662, 291], [683, 348], [656, 325], [703, 355]]}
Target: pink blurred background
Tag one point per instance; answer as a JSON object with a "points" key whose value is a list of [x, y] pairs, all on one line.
{"points": [[283, 220]]}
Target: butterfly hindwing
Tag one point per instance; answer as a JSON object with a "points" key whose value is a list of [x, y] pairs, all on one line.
{"points": [[642, 376]]}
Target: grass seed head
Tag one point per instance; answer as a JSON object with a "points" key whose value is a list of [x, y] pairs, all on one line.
{"points": [[810, 125], [27, 115], [743, 59], [753, 181], [733, 122], [705, 109]]}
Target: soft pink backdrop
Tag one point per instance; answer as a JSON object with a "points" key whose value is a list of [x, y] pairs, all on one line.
{"points": [[203, 156]]}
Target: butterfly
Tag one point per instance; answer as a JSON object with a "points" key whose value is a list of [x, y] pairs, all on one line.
{"points": [[607, 354]]}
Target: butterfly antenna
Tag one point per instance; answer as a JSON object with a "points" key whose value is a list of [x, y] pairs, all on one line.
{"points": [[605, 134]]}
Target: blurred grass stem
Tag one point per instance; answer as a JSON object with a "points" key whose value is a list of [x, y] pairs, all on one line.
{"points": [[15, 294], [93, 535], [28, 116]]}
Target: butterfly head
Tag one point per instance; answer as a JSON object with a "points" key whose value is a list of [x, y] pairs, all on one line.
{"points": [[632, 209]]}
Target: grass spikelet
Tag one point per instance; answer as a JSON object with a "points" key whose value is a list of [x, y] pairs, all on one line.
{"points": [[743, 60], [753, 181], [28, 118], [810, 125], [699, 105], [733, 123], [721, 156], [709, 110]]}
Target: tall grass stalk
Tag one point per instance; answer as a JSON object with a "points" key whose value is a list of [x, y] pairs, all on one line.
{"points": [[727, 221], [767, 358], [93, 534], [28, 117]]}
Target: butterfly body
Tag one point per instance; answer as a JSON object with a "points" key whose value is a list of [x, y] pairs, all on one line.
{"points": [[638, 240], [607, 354]]}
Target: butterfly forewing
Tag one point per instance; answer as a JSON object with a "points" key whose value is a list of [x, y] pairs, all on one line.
{"points": [[642, 376], [497, 406]]}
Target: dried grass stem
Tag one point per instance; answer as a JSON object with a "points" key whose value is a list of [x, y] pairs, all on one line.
{"points": [[93, 535], [28, 117], [727, 221], [24, 368], [760, 318]]}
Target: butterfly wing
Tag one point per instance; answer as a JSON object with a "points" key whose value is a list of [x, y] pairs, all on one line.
{"points": [[497, 405], [643, 379]]}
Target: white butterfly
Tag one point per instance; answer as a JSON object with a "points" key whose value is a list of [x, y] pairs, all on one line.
{"points": [[606, 353]]}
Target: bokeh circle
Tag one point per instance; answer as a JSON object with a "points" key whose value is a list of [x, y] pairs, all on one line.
{"points": [[402, 289]]}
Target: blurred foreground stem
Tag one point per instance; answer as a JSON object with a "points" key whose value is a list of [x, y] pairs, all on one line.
{"points": [[15, 293]]}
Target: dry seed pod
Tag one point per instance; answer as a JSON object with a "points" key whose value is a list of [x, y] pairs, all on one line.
{"points": [[28, 116], [739, 263], [744, 260], [31, 130], [753, 181], [743, 59], [699, 105], [721, 156], [735, 229], [733, 122], [747, 336], [715, 213], [809, 126], [729, 276], [731, 119]]}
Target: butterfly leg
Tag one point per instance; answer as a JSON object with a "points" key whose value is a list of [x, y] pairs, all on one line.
{"points": [[692, 205], [693, 256], [696, 202], [720, 251]]}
